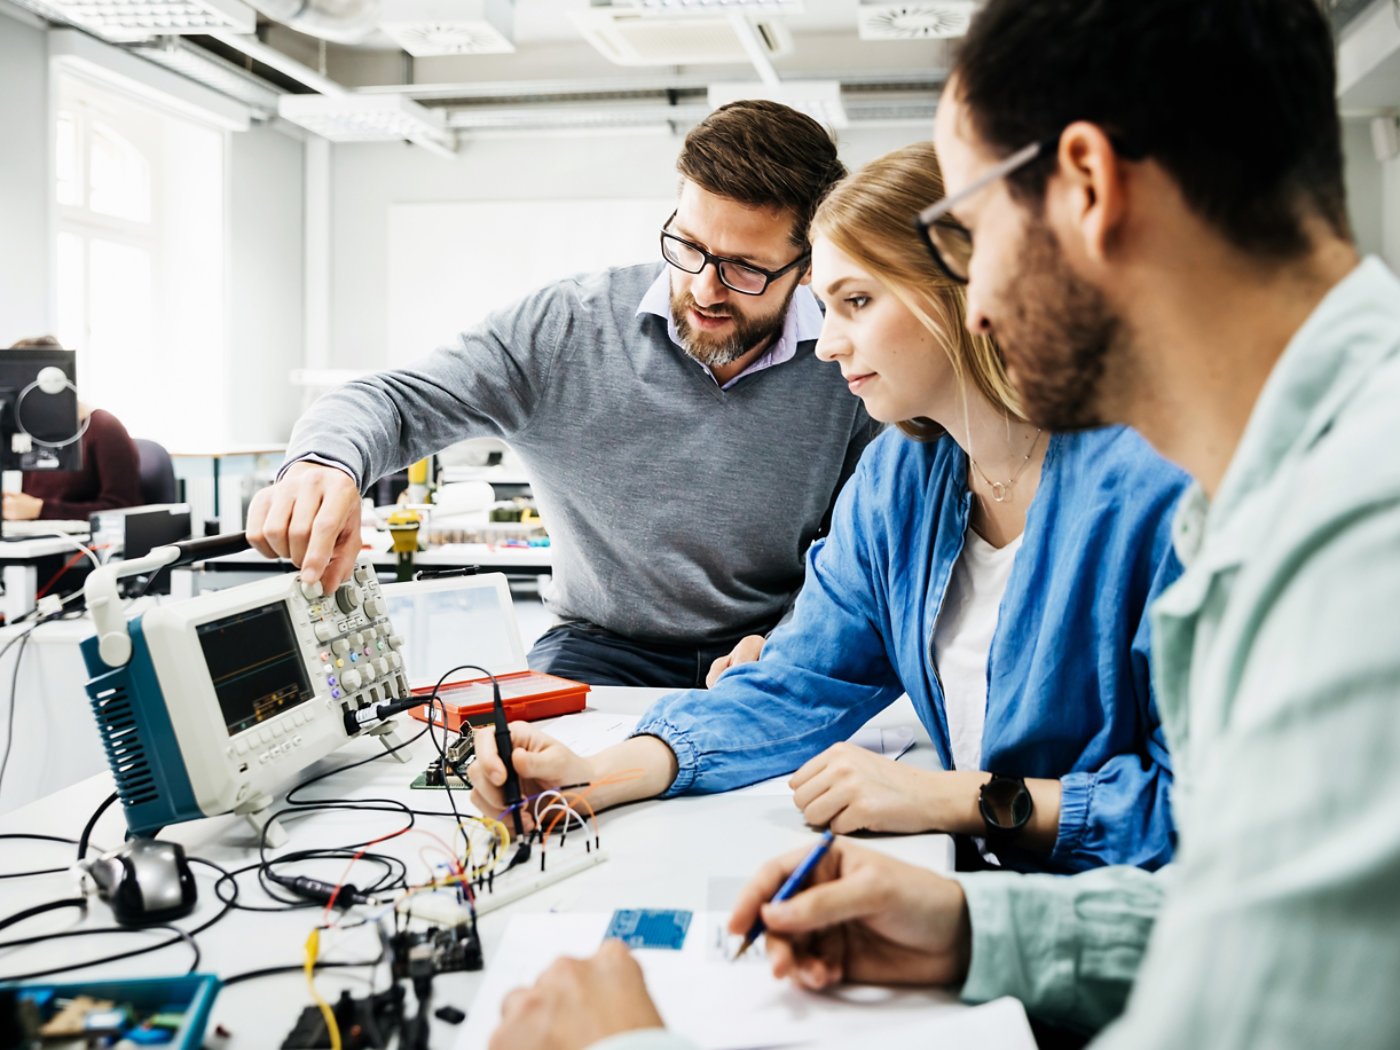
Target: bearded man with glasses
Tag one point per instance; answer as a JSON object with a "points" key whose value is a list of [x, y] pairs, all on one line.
{"points": [[685, 443]]}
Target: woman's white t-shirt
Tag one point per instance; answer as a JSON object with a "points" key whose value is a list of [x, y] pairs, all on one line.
{"points": [[963, 638]]}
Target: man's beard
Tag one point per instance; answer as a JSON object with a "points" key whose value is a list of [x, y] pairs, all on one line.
{"points": [[1059, 338], [746, 333]]}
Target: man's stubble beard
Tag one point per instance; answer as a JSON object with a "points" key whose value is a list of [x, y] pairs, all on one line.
{"points": [[748, 332], [1060, 339]]}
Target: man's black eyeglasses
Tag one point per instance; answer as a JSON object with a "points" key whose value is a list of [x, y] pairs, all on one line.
{"points": [[741, 277]]}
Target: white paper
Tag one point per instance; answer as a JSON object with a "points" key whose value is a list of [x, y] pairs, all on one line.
{"points": [[759, 1011], [588, 732]]}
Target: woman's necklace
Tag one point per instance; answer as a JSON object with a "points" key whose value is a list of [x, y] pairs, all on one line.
{"points": [[1001, 490]]}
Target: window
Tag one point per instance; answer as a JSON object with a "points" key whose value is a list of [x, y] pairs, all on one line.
{"points": [[140, 261]]}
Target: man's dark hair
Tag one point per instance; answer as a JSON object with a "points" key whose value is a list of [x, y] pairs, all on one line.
{"points": [[1235, 99], [765, 155]]}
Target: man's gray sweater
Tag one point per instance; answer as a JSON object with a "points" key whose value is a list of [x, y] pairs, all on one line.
{"points": [[679, 513]]}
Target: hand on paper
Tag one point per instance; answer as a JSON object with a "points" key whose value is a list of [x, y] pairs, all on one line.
{"points": [[864, 918], [576, 1003], [749, 649], [848, 788], [312, 516], [540, 761]]}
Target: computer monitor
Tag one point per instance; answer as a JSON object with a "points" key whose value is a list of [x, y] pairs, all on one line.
{"points": [[46, 422]]}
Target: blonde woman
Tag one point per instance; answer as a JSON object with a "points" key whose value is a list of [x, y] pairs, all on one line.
{"points": [[998, 574]]}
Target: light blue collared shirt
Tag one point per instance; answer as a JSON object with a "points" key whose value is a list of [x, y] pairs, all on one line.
{"points": [[802, 324]]}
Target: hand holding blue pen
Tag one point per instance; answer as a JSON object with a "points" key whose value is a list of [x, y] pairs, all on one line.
{"points": [[792, 885]]}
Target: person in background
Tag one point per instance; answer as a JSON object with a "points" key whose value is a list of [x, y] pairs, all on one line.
{"points": [[997, 573], [1181, 261], [684, 442], [110, 476]]}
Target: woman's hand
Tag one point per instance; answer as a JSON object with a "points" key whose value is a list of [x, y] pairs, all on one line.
{"points": [[848, 788], [749, 649]]}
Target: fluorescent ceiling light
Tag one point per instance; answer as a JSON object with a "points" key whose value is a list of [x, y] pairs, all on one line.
{"points": [[819, 99], [127, 20], [369, 118], [449, 27]]}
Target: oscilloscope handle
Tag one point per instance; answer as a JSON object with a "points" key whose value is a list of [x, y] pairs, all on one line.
{"points": [[104, 600]]}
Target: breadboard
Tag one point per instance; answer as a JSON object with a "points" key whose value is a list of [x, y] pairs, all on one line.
{"points": [[527, 879]]}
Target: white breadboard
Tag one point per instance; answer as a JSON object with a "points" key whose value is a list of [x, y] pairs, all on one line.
{"points": [[441, 907], [528, 879]]}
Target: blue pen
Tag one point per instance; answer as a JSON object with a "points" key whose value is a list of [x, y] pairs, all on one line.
{"points": [[793, 884]]}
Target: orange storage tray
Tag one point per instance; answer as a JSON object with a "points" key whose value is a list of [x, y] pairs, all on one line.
{"points": [[526, 695]]}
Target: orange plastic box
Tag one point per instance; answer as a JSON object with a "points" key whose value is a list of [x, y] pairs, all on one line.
{"points": [[526, 695]]}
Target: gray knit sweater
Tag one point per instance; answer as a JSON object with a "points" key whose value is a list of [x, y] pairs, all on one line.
{"points": [[679, 512]]}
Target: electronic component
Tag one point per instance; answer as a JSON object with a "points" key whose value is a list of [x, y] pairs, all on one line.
{"points": [[447, 948], [208, 705], [365, 1024], [649, 928], [459, 755]]}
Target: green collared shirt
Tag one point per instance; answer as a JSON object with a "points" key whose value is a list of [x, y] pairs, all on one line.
{"points": [[1277, 664]]}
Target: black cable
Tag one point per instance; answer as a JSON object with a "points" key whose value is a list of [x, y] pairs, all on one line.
{"points": [[180, 935], [272, 971], [187, 936], [92, 823], [35, 838], [40, 909]]}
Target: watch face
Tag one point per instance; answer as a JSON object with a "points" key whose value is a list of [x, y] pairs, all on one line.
{"points": [[1005, 803]]}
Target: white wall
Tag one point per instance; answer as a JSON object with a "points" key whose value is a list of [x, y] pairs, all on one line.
{"points": [[265, 294], [368, 180], [1365, 189], [25, 230]]}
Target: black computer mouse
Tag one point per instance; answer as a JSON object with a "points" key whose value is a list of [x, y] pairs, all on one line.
{"points": [[145, 881]]}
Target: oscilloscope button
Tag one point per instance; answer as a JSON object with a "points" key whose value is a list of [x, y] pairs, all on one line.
{"points": [[311, 591], [324, 632], [376, 607], [340, 647]]}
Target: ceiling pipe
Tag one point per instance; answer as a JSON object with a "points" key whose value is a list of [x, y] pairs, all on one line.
{"points": [[339, 21]]}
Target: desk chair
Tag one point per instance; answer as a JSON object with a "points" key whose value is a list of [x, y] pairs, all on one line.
{"points": [[157, 472]]}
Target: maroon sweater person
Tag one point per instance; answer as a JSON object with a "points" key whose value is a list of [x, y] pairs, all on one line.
{"points": [[110, 477]]}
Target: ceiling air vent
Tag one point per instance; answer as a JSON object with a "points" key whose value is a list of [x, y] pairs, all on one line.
{"points": [[449, 27], [937, 19], [630, 36]]}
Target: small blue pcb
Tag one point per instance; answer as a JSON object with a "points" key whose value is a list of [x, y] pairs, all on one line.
{"points": [[649, 927]]}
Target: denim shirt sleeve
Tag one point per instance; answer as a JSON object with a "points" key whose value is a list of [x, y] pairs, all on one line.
{"points": [[1121, 812], [823, 674]]}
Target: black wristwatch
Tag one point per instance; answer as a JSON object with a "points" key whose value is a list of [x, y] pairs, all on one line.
{"points": [[1005, 804]]}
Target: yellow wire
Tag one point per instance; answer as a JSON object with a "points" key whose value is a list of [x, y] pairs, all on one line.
{"points": [[313, 948]]}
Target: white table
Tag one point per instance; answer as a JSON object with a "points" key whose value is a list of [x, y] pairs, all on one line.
{"points": [[20, 573], [661, 854]]}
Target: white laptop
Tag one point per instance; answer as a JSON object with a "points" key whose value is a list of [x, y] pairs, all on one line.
{"points": [[28, 530], [456, 620]]}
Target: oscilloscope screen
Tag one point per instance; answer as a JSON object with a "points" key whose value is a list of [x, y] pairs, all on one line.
{"points": [[255, 664]]}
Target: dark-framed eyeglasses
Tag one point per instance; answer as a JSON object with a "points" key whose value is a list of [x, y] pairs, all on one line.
{"points": [[949, 241], [744, 278]]}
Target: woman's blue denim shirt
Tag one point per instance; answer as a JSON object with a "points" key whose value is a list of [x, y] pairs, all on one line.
{"points": [[1069, 691]]}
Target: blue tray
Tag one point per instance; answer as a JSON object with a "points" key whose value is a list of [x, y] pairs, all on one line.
{"points": [[194, 993]]}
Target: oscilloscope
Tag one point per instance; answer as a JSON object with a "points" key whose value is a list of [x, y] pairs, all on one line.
{"points": [[207, 705]]}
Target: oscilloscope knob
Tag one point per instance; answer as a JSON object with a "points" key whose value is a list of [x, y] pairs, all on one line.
{"points": [[348, 597]]}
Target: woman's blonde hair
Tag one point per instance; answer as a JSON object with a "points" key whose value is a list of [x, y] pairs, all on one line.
{"points": [[869, 215]]}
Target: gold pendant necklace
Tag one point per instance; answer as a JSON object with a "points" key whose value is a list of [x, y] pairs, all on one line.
{"points": [[1001, 490]]}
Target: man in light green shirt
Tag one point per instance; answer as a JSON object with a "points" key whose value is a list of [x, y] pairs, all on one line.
{"points": [[1146, 202]]}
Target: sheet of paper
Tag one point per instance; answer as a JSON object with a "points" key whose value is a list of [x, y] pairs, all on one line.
{"points": [[890, 742], [759, 1011], [588, 732]]}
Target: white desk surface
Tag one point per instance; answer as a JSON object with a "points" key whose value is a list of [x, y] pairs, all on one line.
{"points": [[661, 854]]}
